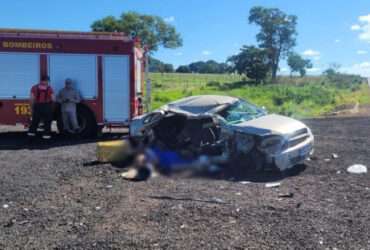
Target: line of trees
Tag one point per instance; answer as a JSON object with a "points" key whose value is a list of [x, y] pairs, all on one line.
{"points": [[276, 39], [201, 67]]}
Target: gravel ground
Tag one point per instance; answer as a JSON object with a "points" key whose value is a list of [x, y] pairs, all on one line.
{"points": [[52, 199]]}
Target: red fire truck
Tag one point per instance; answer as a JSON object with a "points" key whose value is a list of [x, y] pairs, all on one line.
{"points": [[107, 69]]}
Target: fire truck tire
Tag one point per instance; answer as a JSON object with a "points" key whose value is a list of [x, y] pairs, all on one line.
{"points": [[86, 120]]}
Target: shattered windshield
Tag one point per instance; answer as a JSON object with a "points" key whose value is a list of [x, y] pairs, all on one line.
{"points": [[241, 111]]}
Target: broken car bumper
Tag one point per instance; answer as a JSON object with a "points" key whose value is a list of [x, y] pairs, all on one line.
{"points": [[295, 155]]}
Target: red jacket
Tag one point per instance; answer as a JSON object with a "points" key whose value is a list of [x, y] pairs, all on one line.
{"points": [[42, 93]]}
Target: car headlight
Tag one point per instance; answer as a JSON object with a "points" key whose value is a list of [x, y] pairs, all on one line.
{"points": [[272, 144]]}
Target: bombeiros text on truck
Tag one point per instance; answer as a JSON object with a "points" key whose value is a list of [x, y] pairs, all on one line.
{"points": [[107, 69]]}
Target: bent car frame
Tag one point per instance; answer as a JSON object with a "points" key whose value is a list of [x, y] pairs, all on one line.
{"points": [[227, 126]]}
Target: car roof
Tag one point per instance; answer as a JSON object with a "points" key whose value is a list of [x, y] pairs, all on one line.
{"points": [[201, 104]]}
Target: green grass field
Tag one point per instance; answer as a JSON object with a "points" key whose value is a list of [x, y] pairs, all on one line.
{"points": [[297, 97]]}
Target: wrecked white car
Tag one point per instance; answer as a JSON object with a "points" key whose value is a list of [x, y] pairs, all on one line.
{"points": [[220, 125]]}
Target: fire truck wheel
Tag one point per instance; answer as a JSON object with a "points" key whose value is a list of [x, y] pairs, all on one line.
{"points": [[86, 121]]}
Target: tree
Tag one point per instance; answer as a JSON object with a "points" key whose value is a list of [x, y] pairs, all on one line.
{"points": [[157, 66], [168, 68], [277, 34], [251, 61], [208, 67], [298, 64], [152, 30], [183, 69]]}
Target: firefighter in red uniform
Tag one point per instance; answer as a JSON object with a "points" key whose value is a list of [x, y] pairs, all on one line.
{"points": [[42, 97]]}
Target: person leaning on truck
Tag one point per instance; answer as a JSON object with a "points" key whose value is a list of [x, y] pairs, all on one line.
{"points": [[42, 97], [69, 97]]}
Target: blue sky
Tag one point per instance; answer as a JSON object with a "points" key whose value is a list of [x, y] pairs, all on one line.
{"points": [[329, 31]]}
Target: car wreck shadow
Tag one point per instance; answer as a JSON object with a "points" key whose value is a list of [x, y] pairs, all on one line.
{"points": [[253, 176], [20, 140]]}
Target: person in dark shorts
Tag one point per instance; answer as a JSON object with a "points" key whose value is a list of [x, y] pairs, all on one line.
{"points": [[42, 97]]}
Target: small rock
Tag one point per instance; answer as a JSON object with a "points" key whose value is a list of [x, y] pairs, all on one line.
{"points": [[339, 172], [10, 223], [183, 226], [357, 169], [327, 160], [273, 185], [218, 200], [109, 186], [98, 208], [238, 210], [308, 159], [5, 206], [23, 222], [286, 195], [314, 158], [238, 193], [26, 209], [335, 156]]}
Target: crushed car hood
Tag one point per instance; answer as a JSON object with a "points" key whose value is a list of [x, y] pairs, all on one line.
{"points": [[271, 123]]}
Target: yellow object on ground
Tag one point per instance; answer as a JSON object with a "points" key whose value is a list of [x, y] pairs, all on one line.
{"points": [[113, 151]]}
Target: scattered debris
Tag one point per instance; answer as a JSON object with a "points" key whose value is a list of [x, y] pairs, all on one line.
{"points": [[357, 169], [286, 195], [245, 182], [273, 185], [335, 156]]}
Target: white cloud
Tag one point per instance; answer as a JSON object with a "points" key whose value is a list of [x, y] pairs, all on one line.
{"points": [[355, 27], [365, 19], [337, 41], [363, 27], [206, 52], [364, 65], [169, 19], [179, 54], [361, 52], [311, 53], [362, 69]]}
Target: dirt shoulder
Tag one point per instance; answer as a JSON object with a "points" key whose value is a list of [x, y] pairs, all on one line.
{"points": [[55, 201]]}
